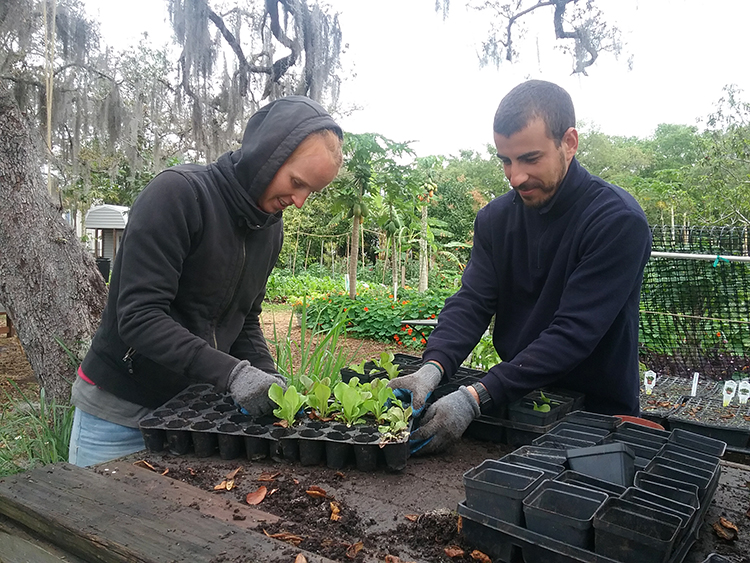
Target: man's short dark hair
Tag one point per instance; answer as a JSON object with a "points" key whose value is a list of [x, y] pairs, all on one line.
{"points": [[535, 99]]}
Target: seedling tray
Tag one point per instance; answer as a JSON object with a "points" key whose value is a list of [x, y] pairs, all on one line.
{"points": [[708, 417], [209, 423], [669, 393], [593, 420]]}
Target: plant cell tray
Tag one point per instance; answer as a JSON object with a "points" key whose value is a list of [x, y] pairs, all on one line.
{"points": [[708, 417], [593, 420], [206, 423], [669, 393]]}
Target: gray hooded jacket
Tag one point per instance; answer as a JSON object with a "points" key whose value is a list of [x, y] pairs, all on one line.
{"points": [[190, 275]]}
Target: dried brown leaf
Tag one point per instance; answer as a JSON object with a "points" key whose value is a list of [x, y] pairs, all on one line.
{"points": [[272, 491], [282, 423], [727, 524], [454, 551], [335, 511], [165, 471], [340, 475], [460, 524], [392, 559], [477, 555], [221, 486], [230, 484], [285, 536], [257, 496], [232, 474], [316, 492], [300, 558], [144, 463], [411, 517], [192, 471], [354, 549], [267, 476], [724, 533]]}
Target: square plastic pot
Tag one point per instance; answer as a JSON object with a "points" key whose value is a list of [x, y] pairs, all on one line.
{"points": [[633, 533], [551, 470], [601, 433], [686, 493], [684, 512], [582, 434], [641, 448], [523, 411], [551, 455], [697, 442], [497, 489], [681, 472], [608, 462], [563, 512], [588, 482], [594, 420], [561, 442]]}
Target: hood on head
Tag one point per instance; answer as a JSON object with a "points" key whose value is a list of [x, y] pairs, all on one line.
{"points": [[271, 135]]}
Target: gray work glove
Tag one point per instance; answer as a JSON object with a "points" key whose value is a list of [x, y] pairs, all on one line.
{"points": [[418, 386], [249, 388], [444, 422]]}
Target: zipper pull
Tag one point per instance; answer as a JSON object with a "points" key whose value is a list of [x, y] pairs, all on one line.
{"points": [[128, 358]]}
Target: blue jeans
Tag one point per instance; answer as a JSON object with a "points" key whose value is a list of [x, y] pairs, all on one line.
{"points": [[93, 440]]}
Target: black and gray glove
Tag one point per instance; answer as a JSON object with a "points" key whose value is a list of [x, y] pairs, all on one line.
{"points": [[419, 385], [444, 422], [249, 388]]}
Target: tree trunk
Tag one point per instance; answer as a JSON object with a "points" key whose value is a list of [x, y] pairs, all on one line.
{"points": [[353, 255], [394, 269], [49, 282], [423, 253]]}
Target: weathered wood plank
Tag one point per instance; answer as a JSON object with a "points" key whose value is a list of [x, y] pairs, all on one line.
{"points": [[104, 520]]}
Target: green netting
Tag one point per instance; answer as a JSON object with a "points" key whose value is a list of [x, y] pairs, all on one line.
{"points": [[695, 312]]}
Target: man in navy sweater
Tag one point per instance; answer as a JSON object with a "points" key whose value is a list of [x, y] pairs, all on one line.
{"points": [[559, 260]]}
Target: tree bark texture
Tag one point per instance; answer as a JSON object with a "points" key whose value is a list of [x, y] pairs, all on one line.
{"points": [[49, 282], [423, 265], [353, 256]]}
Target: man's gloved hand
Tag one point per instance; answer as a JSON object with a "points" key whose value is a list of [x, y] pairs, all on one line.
{"points": [[444, 422], [419, 385], [249, 388]]}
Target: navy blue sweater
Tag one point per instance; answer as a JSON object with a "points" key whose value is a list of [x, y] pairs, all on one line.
{"points": [[564, 281]]}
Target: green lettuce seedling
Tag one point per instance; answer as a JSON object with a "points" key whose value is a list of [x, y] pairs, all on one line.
{"points": [[544, 407], [397, 419], [386, 362], [350, 400], [290, 402], [318, 398], [382, 398]]}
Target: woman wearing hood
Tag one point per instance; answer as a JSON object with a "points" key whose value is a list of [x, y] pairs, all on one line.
{"points": [[190, 275]]}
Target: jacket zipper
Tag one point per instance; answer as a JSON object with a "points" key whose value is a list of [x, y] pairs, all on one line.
{"points": [[242, 270], [128, 358]]}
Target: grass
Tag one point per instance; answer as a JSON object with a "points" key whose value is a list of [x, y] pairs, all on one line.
{"points": [[33, 433]]}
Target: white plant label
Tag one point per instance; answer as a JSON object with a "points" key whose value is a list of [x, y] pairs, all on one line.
{"points": [[649, 381], [730, 390], [694, 389], [743, 391]]}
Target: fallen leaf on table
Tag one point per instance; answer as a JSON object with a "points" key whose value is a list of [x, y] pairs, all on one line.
{"points": [[257, 496], [454, 551], [340, 474], [728, 534], [285, 536], [300, 558], [192, 471], [265, 476], [165, 471], [459, 524], [282, 423], [144, 463], [335, 511], [392, 559], [316, 492], [272, 491], [481, 557], [230, 484], [354, 549], [232, 474], [727, 524], [411, 517], [221, 486], [295, 481]]}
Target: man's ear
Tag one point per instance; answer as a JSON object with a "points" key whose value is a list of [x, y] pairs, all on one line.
{"points": [[570, 143]]}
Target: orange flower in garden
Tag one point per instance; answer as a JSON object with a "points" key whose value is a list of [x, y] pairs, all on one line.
{"points": [[414, 338], [395, 336], [390, 297], [366, 309], [432, 316], [718, 334], [344, 308], [424, 341], [393, 306], [409, 331]]}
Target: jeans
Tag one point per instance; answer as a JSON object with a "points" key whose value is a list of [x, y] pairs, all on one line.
{"points": [[93, 440]]}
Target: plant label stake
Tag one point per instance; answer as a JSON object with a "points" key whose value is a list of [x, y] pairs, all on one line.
{"points": [[743, 391], [730, 390], [694, 389], [649, 381]]}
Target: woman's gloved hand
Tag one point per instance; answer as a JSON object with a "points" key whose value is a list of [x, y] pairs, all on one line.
{"points": [[249, 386], [419, 385], [444, 422]]}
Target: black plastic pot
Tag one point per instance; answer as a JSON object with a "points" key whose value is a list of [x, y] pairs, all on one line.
{"points": [[366, 451], [685, 493], [697, 442], [593, 420], [288, 442], [551, 470], [693, 454], [178, 441], [588, 482], [600, 433], [257, 446], [312, 451], [479, 533], [705, 465], [608, 462], [561, 442], [523, 411], [644, 432], [681, 472], [497, 489], [653, 500], [551, 455], [204, 442], [582, 434], [338, 450], [153, 438], [396, 455], [563, 512], [642, 448], [231, 445], [632, 533]]}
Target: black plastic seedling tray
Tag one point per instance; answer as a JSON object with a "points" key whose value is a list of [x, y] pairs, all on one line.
{"points": [[669, 393], [593, 420], [708, 417], [209, 424]]}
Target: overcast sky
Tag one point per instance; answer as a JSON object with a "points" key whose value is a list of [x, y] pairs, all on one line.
{"points": [[417, 76]]}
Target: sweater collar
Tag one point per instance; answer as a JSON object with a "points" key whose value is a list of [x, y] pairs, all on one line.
{"points": [[566, 195]]}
